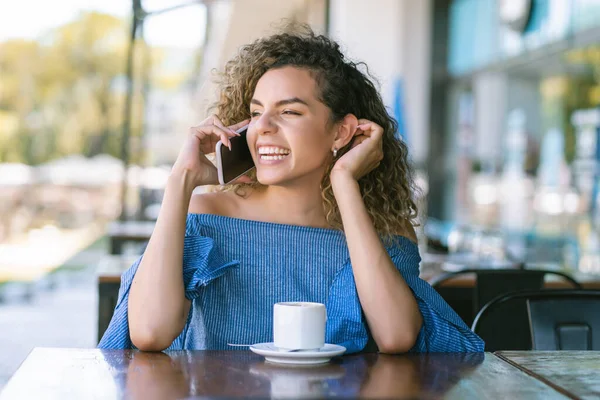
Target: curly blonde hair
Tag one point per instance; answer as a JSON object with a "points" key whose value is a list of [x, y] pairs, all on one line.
{"points": [[387, 190]]}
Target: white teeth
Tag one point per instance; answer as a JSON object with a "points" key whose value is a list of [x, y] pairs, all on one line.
{"points": [[271, 158], [272, 150]]}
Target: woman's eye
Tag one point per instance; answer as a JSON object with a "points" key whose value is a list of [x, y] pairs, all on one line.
{"points": [[254, 114], [290, 112]]}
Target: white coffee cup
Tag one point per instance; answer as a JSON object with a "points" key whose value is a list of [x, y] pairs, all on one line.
{"points": [[299, 325]]}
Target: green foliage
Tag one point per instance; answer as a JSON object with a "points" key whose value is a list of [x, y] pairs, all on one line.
{"points": [[64, 93]]}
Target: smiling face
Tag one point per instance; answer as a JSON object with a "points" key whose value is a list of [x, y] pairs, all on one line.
{"points": [[289, 134]]}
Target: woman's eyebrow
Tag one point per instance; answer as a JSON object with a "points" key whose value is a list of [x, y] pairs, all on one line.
{"points": [[283, 102]]}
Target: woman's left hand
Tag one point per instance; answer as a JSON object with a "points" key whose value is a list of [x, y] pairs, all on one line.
{"points": [[365, 154]]}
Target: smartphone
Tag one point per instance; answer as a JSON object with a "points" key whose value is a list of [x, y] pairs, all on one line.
{"points": [[231, 164]]}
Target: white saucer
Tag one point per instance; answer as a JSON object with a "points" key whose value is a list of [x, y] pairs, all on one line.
{"points": [[308, 357]]}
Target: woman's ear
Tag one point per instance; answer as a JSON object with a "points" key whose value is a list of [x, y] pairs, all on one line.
{"points": [[346, 129]]}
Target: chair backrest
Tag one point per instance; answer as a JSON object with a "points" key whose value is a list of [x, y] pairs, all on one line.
{"points": [[506, 326], [565, 319], [493, 282], [556, 320]]}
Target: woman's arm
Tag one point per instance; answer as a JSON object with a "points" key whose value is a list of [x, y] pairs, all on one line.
{"points": [[157, 307], [389, 305]]}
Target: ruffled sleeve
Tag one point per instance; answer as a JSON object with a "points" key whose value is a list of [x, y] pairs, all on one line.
{"points": [[442, 330], [202, 263]]}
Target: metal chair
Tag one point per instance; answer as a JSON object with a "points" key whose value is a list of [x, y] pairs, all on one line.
{"points": [[512, 332], [557, 319], [491, 283]]}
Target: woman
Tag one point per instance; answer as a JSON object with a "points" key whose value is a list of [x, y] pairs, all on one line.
{"points": [[326, 218]]}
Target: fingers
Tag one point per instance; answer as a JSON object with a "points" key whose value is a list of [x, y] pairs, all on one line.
{"points": [[358, 140], [226, 129], [369, 129], [215, 120], [214, 130], [206, 131], [374, 147], [362, 130], [365, 125], [212, 120], [239, 125]]}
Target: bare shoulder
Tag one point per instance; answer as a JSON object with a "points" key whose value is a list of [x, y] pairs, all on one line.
{"points": [[217, 203]]}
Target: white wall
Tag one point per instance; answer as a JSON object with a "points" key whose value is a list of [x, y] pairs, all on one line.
{"points": [[416, 69], [393, 38], [371, 31]]}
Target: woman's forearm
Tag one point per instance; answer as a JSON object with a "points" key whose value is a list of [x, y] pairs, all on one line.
{"points": [[157, 305], [389, 305]]}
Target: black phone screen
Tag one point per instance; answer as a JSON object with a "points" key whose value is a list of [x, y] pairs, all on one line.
{"points": [[237, 161]]}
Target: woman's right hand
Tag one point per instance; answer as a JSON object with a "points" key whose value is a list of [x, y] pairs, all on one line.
{"points": [[202, 140]]}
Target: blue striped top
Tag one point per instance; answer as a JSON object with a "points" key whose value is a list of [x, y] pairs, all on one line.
{"points": [[234, 270]]}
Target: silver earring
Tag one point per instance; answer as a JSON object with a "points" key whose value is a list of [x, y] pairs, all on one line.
{"points": [[335, 153]]}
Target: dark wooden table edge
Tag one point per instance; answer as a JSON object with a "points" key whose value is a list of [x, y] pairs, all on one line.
{"points": [[529, 372], [109, 278]]}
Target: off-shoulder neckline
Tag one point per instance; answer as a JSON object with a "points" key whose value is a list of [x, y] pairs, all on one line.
{"points": [[265, 223], [236, 220]]}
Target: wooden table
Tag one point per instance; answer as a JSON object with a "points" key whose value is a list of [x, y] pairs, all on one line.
{"points": [[108, 374], [128, 231], [574, 373]]}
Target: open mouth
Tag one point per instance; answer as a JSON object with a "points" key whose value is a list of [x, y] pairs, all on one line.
{"points": [[273, 153]]}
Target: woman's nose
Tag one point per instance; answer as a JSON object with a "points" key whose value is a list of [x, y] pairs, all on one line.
{"points": [[264, 124]]}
